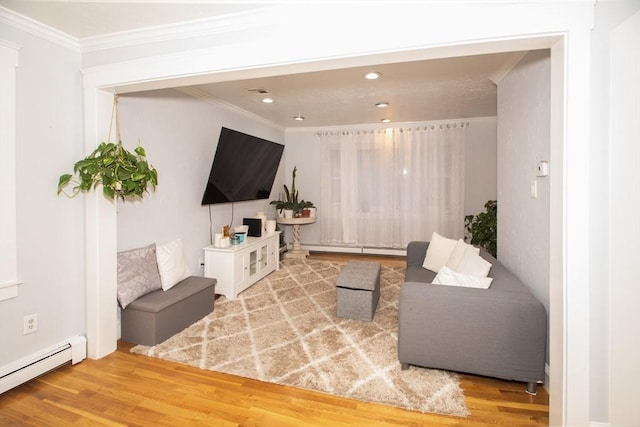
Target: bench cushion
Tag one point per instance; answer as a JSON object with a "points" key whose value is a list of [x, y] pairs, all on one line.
{"points": [[153, 318], [159, 300]]}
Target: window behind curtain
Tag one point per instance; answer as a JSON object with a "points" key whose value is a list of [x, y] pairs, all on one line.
{"points": [[385, 188]]}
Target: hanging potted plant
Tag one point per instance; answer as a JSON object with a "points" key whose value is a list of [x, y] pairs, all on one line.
{"points": [[121, 173]]}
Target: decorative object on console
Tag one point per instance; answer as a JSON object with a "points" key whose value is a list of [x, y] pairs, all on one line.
{"points": [[121, 173], [263, 218], [271, 226], [255, 226]]}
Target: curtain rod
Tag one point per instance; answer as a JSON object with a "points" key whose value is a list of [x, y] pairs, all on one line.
{"points": [[426, 127]]}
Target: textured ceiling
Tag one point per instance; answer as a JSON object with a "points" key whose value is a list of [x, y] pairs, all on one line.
{"points": [[425, 90], [452, 88]]}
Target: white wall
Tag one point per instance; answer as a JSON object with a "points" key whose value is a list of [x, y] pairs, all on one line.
{"points": [[523, 141], [50, 228], [303, 151], [180, 134]]}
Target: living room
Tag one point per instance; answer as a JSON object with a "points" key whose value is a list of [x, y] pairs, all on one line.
{"points": [[59, 243]]}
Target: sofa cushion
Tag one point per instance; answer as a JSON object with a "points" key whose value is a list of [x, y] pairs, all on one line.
{"points": [[438, 252], [459, 251], [465, 259], [137, 274], [447, 276], [155, 302], [171, 263]]}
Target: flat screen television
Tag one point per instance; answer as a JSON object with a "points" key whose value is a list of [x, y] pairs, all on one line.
{"points": [[244, 168]]}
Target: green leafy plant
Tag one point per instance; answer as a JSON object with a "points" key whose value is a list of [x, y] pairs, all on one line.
{"points": [[291, 197], [291, 200], [483, 228], [121, 173]]}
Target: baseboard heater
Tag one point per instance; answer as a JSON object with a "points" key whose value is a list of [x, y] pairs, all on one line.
{"points": [[74, 350], [365, 250]]}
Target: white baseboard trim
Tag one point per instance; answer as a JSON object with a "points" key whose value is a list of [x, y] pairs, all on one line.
{"points": [[598, 424]]}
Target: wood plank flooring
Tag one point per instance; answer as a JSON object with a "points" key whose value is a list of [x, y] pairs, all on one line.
{"points": [[127, 389]]}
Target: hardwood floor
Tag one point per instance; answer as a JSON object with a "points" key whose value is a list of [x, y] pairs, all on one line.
{"points": [[128, 389]]}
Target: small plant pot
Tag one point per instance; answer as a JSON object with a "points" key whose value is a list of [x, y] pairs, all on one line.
{"points": [[288, 213], [306, 213]]}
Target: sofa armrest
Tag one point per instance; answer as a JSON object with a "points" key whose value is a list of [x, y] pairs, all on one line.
{"points": [[416, 252]]}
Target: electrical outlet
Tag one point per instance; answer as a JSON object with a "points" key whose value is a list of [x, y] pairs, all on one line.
{"points": [[201, 262], [30, 324]]}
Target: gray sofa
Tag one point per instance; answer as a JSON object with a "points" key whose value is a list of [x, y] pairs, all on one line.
{"points": [[497, 332]]}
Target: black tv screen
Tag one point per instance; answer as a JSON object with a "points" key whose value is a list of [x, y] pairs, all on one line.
{"points": [[244, 168]]}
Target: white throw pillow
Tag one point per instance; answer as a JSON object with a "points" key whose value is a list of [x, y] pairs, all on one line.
{"points": [[448, 277], [171, 264], [459, 252], [438, 252], [471, 263]]}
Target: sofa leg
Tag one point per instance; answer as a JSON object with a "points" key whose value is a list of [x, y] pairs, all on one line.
{"points": [[532, 387], [404, 366]]}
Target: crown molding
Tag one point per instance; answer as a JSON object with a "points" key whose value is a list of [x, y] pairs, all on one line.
{"points": [[189, 29], [38, 29], [209, 99], [511, 62]]}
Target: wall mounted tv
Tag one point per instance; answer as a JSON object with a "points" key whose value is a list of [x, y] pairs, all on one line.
{"points": [[244, 168]]}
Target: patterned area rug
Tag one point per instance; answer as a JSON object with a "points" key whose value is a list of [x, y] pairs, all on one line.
{"points": [[284, 330]]}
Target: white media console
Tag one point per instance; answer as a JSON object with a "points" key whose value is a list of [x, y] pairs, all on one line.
{"points": [[237, 267]]}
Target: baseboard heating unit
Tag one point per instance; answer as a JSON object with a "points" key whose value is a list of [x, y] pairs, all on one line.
{"points": [[73, 350], [364, 250]]}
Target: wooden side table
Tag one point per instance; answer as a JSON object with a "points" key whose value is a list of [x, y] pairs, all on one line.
{"points": [[295, 223]]}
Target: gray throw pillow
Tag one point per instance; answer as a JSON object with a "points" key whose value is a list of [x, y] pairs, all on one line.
{"points": [[137, 274]]}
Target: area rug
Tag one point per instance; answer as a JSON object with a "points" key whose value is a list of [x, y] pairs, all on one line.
{"points": [[284, 330]]}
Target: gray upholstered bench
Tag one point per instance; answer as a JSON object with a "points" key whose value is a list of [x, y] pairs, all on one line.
{"points": [[358, 290], [158, 315]]}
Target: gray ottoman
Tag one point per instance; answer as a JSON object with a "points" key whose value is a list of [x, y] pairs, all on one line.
{"points": [[358, 290], [156, 316]]}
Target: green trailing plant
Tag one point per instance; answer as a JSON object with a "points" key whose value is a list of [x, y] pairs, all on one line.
{"points": [[482, 228], [121, 173]]}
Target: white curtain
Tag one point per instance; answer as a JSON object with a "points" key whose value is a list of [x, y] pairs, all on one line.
{"points": [[385, 188]]}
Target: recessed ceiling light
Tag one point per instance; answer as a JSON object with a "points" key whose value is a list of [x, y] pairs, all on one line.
{"points": [[372, 75], [385, 120], [298, 118], [382, 104], [267, 100]]}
